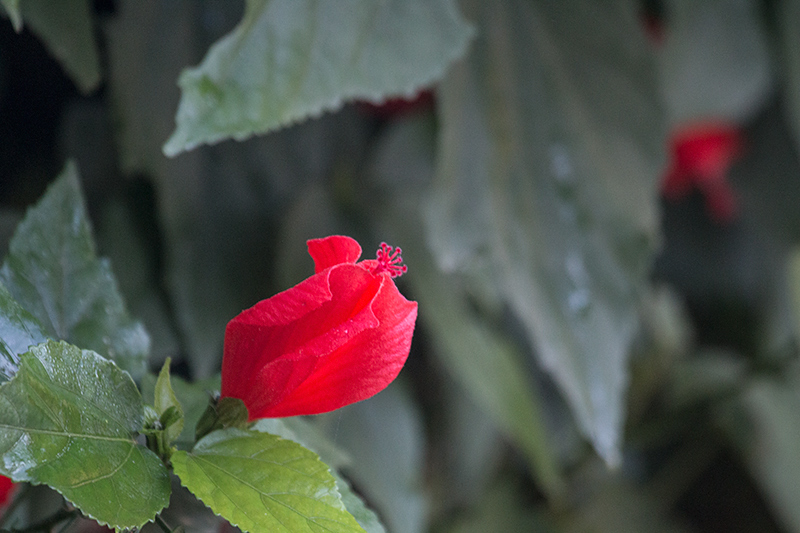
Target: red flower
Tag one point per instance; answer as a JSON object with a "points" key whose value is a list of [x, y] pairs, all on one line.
{"points": [[338, 337], [6, 488], [701, 156]]}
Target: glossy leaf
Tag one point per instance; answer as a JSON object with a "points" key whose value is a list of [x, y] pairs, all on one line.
{"points": [[551, 146], [260, 482], [19, 330], [53, 271], [68, 420], [289, 60], [67, 29]]}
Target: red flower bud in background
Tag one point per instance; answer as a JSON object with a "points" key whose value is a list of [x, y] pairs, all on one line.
{"points": [[6, 488], [701, 156], [336, 338]]}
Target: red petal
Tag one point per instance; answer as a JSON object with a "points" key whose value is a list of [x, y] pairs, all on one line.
{"points": [[363, 366], [275, 345], [333, 250]]}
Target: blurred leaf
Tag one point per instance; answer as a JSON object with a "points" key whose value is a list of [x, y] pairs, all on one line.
{"points": [[19, 330], [365, 516], [53, 271], [714, 62], [788, 19], [485, 363], [135, 259], [289, 60], [220, 206], [472, 446], [385, 437], [165, 399], [502, 510], [68, 417], [551, 146], [260, 482], [616, 505], [706, 376], [769, 437], [66, 27], [12, 8]]}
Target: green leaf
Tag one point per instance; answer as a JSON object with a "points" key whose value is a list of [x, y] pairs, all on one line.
{"points": [[53, 271], [385, 437], [289, 60], [19, 330], [488, 365], [193, 398], [67, 29], [12, 8], [765, 424], [788, 18], [552, 144], [260, 482], [302, 432], [715, 60], [164, 399], [68, 419], [306, 434], [365, 516]]}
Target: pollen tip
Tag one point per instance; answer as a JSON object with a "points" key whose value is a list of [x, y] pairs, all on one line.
{"points": [[390, 260]]}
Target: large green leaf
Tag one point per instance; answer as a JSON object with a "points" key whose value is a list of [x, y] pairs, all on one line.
{"points": [[488, 365], [66, 28], [261, 482], [307, 435], [291, 59], [52, 270], [551, 146], [68, 420], [19, 330]]}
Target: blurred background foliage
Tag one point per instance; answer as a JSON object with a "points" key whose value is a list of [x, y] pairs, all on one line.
{"points": [[608, 326]]}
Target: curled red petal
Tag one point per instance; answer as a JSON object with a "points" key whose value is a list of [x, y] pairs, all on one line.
{"points": [[333, 250], [361, 367]]}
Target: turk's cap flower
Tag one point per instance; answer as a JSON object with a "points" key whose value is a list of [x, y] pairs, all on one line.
{"points": [[338, 337]]}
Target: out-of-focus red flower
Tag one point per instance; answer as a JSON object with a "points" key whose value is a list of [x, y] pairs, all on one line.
{"points": [[6, 488], [701, 156], [336, 338], [398, 106]]}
